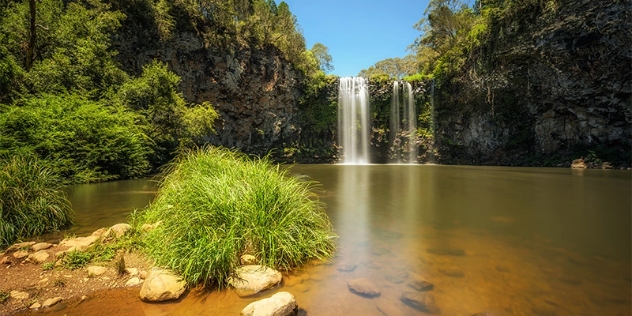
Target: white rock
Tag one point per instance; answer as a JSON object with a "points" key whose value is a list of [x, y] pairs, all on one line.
{"points": [[39, 257], [35, 306], [79, 243], [19, 295], [162, 285], [51, 301], [131, 271], [133, 281], [279, 304], [96, 270], [254, 279]]}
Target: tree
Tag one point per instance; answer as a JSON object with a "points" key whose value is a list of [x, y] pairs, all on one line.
{"points": [[393, 67], [321, 52]]}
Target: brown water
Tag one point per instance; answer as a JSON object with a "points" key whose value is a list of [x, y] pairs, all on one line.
{"points": [[509, 241]]}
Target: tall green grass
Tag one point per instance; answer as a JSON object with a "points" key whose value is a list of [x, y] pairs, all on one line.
{"points": [[32, 201], [215, 205]]}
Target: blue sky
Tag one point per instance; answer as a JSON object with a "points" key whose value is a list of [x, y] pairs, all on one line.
{"points": [[359, 33]]}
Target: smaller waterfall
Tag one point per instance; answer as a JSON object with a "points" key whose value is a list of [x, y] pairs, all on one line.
{"points": [[353, 120], [403, 123]]}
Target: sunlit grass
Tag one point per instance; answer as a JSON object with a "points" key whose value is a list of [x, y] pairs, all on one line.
{"points": [[215, 205], [32, 201]]}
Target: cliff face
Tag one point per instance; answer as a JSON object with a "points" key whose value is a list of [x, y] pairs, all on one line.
{"points": [[255, 91], [561, 83]]}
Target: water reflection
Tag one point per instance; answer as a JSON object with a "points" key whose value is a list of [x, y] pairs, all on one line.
{"points": [[510, 241]]}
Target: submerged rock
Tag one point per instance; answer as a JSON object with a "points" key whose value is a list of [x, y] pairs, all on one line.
{"points": [[279, 304], [447, 251], [364, 287], [253, 279], [162, 285], [452, 272], [424, 302], [346, 267], [418, 283]]}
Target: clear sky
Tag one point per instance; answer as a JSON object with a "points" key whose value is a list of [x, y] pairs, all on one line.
{"points": [[359, 33]]}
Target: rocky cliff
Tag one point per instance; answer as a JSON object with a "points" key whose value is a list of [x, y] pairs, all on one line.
{"points": [[557, 86]]}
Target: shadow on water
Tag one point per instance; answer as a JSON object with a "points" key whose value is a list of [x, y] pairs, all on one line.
{"points": [[508, 241]]}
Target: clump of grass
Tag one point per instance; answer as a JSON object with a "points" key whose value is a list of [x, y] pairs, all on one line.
{"points": [[48, 266], [4, 296], [215, 205], [76, 259], [32, 201]]}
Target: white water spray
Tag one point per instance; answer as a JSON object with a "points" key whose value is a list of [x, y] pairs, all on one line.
{"points": [[353, 120], [403, 133]]}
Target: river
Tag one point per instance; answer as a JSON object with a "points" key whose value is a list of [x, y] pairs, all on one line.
{"points": [[505, 240]]}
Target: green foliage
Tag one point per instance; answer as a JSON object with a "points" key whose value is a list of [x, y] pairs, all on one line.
{"points": [[396, 68], [4, 296], [48, 266], [76, 259], [81, 140], [215, 205], [32, 200], [171, 121], [72, 48], [321, 52]]}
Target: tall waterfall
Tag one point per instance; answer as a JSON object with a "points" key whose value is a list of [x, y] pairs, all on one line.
{"points": [[403, 127], [353, 120]]}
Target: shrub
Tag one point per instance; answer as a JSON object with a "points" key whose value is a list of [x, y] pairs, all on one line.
{"points": [[215, 205], [32, 201], [81, 140]]}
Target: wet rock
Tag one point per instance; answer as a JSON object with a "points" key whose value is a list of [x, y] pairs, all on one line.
{"points": [[248, 260], [118, 230], [388, 308], [446, 251], [51, 301], [41, 246], [18, 295], [162, 285], [133, 281], [397, 276], [346, 267], [279, 304], [418, 283], [364, 287], [39, 257], [253, 279], [96, 270], [424, 302], [452, 272]]}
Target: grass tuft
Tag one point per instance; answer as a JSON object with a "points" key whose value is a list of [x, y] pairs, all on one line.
{"points": [[215, 205], [32, 201]]}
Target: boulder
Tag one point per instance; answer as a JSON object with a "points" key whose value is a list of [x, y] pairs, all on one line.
{"points": [[118, 230], [162, 285], [41, 246], [51, 301], [39, 257], [79, 243], [279, 304], [253, 279], [578, 164], [364, 287], [424, 302]]}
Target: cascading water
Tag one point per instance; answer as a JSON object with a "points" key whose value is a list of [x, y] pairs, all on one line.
{"points": [[403, 127], [353, 120]]}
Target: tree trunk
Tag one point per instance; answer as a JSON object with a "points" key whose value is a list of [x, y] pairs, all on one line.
{"points": [[30, 50]]}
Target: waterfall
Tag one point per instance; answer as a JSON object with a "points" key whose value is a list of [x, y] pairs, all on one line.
{"points": [[403, 123], [353, 120]]}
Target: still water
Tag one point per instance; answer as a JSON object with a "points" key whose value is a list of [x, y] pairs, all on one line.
{"points": [[508, 241]]}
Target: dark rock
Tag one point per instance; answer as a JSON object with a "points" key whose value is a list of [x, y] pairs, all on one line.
{"points": [[452, 272]]}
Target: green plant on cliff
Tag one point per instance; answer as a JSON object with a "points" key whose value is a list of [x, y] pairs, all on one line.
{"points": [[32, 200], [215, 205]]}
